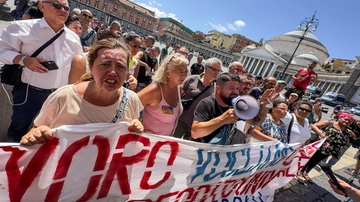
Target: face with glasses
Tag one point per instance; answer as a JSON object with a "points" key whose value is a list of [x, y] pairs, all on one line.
{"points": [[213, 71], [55, 12], [134, 46], [281, 110], [86, 16], [303, 111], [246, 85]]}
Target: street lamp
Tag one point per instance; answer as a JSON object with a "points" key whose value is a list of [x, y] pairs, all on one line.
{"points": [[309, 23]]}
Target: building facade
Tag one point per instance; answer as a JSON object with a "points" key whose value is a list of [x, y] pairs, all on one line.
{"points": [[174, 26], [131, 16], [239, 42], [338, 66], [273, 56], [199, 36]]}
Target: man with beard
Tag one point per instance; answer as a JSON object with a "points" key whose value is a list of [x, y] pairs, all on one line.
{"points": [[302, 79], [246, 84], [269, 82], [214, 117]]}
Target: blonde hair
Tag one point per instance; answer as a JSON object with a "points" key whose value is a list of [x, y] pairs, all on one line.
{"points": [[109, 43], [170, 63]]}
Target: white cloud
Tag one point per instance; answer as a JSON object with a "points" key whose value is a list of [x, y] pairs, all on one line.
{"points": [[158, 13], [231, 26], [218, 27], [239, 23]]}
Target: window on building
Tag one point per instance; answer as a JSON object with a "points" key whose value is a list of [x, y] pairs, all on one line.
{"points": [[144, 19], [150, 22], [104, 9], [105, 3], [96, 5], [116, 7], [128, 26], [347, 72], [95, 12], [124, 10], [134, 28], [87, 2], [131, 13]]}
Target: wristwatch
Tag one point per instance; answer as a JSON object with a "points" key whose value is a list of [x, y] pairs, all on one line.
{"points": [[21, 61]]}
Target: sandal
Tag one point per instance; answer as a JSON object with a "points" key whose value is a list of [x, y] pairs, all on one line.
{"points": [[308, 178], [300, 178]]}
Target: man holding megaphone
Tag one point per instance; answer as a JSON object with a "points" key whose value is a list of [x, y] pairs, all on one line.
{"points": [[214, 116]]}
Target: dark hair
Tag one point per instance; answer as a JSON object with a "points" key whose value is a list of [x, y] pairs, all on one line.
{"points": [[276, 103], [225, 77], [72, 18], [130, 37], [303, 102], [110, 34]]}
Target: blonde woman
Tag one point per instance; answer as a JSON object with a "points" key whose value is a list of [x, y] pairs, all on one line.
{"points": [[160, 99]]}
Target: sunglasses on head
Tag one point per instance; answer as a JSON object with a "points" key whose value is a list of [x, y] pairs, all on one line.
{"points": [[88, 16], [58, 5], [305, 110]]}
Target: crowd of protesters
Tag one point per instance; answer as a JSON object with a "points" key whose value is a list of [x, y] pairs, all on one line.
{"points": [[101, 69]]}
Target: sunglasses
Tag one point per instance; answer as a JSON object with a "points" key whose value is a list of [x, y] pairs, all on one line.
{"points": [[134, 45], [87, 16], [214, 69], [57, 5], [305, 110]]}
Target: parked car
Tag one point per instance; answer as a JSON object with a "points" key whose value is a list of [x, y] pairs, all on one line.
{"points": [[332, 98], [355, 110], [313, 92]]}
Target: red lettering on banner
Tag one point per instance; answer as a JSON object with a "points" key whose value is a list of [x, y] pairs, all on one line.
{"points": [[190, 192], [227, 182], [174, 149], [20, 182], [63, 168], [119, 162], [205, 195], [103, 145], [240, 186], [165, 196]]}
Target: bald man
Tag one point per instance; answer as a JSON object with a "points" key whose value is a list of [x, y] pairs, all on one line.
{"points": [[236, 68]]}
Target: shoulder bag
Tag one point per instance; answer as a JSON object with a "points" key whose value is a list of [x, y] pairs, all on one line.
{"points": [[11, 73], [186, 103]]}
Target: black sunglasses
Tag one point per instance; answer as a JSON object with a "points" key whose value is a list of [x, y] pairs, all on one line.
{"points": [[57, 5], [305, 110], [86, 15], [134, 45], [214, 69]]}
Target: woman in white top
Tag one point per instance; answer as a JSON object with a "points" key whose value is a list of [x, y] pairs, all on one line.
{"points": [[300, 128], [95, 99]]}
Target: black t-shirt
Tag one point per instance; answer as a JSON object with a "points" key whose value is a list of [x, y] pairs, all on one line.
{"points": [[256, 93], [197, 68], [142, 78], [207, 109], [354, 128]]}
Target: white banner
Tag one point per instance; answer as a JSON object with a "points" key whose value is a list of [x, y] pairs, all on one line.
{"points": [[104, 162]]}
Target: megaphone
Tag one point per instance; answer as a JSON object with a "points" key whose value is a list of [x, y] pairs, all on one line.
{"points": [[246, 107]]}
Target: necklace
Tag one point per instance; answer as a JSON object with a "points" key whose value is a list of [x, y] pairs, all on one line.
{"points": [[219, 107]]}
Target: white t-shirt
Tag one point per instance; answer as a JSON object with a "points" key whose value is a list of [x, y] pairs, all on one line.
{"points": [[298, 133], [66, 107]]}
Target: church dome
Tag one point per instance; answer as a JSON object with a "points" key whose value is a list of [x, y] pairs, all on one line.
{"points": [[285, 45]]}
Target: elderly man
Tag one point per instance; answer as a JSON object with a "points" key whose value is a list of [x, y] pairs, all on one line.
{"points": [[280, 86], [236, 68], [214, 117], [20, 40], [196, 87], [269, 82], [88, 35]]}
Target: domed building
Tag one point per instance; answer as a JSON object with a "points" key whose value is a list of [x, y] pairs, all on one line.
{"points": [[272, 58]]}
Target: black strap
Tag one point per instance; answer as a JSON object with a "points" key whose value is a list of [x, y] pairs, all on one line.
{"points": [[203, 91], [89, 35], [36, 53], [122, 106], [289, 129]]}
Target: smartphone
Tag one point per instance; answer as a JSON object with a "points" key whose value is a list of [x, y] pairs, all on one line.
{"points": [[327, 170], [50, 65]]}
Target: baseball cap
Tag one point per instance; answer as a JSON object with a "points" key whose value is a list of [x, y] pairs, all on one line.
{"points": [[281, 82]]}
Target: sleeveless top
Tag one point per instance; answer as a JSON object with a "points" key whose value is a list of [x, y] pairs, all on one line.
{"points": [[142, 78], [161, 118]]}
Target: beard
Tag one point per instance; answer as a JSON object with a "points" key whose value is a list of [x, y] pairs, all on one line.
{"points": [[227, 99]]}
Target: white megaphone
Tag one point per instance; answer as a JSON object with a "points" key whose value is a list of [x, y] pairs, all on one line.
{"points": [[246, 107]]}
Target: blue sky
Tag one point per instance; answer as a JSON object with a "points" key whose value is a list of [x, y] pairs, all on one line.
{"points": [[338, 26]]}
